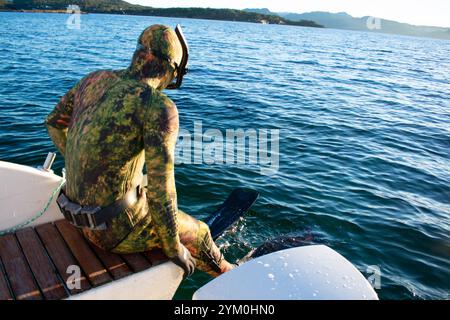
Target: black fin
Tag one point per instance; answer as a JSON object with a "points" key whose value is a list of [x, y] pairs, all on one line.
{"points": [[236, 205]]}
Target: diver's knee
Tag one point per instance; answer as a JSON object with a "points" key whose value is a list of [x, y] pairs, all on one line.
{"points": [[204, 229]]}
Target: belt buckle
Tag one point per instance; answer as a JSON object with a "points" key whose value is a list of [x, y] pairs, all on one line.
{"points": [[73, 211], [89, 212], [62, 201]]}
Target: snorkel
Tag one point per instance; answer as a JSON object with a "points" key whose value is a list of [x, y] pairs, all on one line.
{"points": [[182, 67]]}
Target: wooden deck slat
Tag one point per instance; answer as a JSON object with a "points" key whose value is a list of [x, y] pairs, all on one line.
{"points": [[60, 254], [92, 267], [115, 265], [4, 289], [45, 274], [136, 261], [34, 263], [156, 256], [16, 268]]}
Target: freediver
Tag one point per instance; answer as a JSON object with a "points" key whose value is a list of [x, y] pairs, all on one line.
{"points": [[107, 127]]}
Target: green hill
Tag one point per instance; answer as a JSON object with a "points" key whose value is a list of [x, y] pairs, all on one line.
{"points": [[122, 7], [345, 21]]}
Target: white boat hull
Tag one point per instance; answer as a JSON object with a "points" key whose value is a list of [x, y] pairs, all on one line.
{"points": [[24, 192], [304, 273]]}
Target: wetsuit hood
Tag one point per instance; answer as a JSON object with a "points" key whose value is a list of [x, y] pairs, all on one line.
{"points": [[158, 47]]}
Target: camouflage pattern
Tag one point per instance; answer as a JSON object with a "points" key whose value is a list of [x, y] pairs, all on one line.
{"points": [[158, 49], [194, 234], [107, 127]]}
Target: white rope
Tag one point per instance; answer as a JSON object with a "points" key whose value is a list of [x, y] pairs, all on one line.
{"points": [[36, 216]]}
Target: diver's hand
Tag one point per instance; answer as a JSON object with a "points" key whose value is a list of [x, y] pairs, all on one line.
{"points": [[185, 261]]}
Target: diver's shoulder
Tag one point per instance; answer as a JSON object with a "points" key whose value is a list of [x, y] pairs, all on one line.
{"points": [[101, 74], [166, 110], [95, 77], [154, 99], [162, 100]]}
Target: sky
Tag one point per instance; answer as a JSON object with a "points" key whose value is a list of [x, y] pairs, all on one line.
{"points": [[419, 12]]}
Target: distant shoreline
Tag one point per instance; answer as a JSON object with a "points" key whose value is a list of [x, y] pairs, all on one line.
{"points": [[196, 13], [210, 19], [40, 11]]}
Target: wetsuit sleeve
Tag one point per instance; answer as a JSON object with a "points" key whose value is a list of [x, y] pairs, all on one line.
{"points": [[160, 135], [57, 121]]}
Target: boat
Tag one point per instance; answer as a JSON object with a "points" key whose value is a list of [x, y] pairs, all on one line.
{"points": [[42, 256]]}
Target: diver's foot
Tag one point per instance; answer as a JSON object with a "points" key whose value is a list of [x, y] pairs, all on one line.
{"points": [[225, 266]]}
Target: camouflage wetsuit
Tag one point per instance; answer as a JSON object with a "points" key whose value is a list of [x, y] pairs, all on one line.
{"points": [[107, 127]]}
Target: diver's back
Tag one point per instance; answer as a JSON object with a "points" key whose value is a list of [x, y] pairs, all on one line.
{"points": [[104, 151]]}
